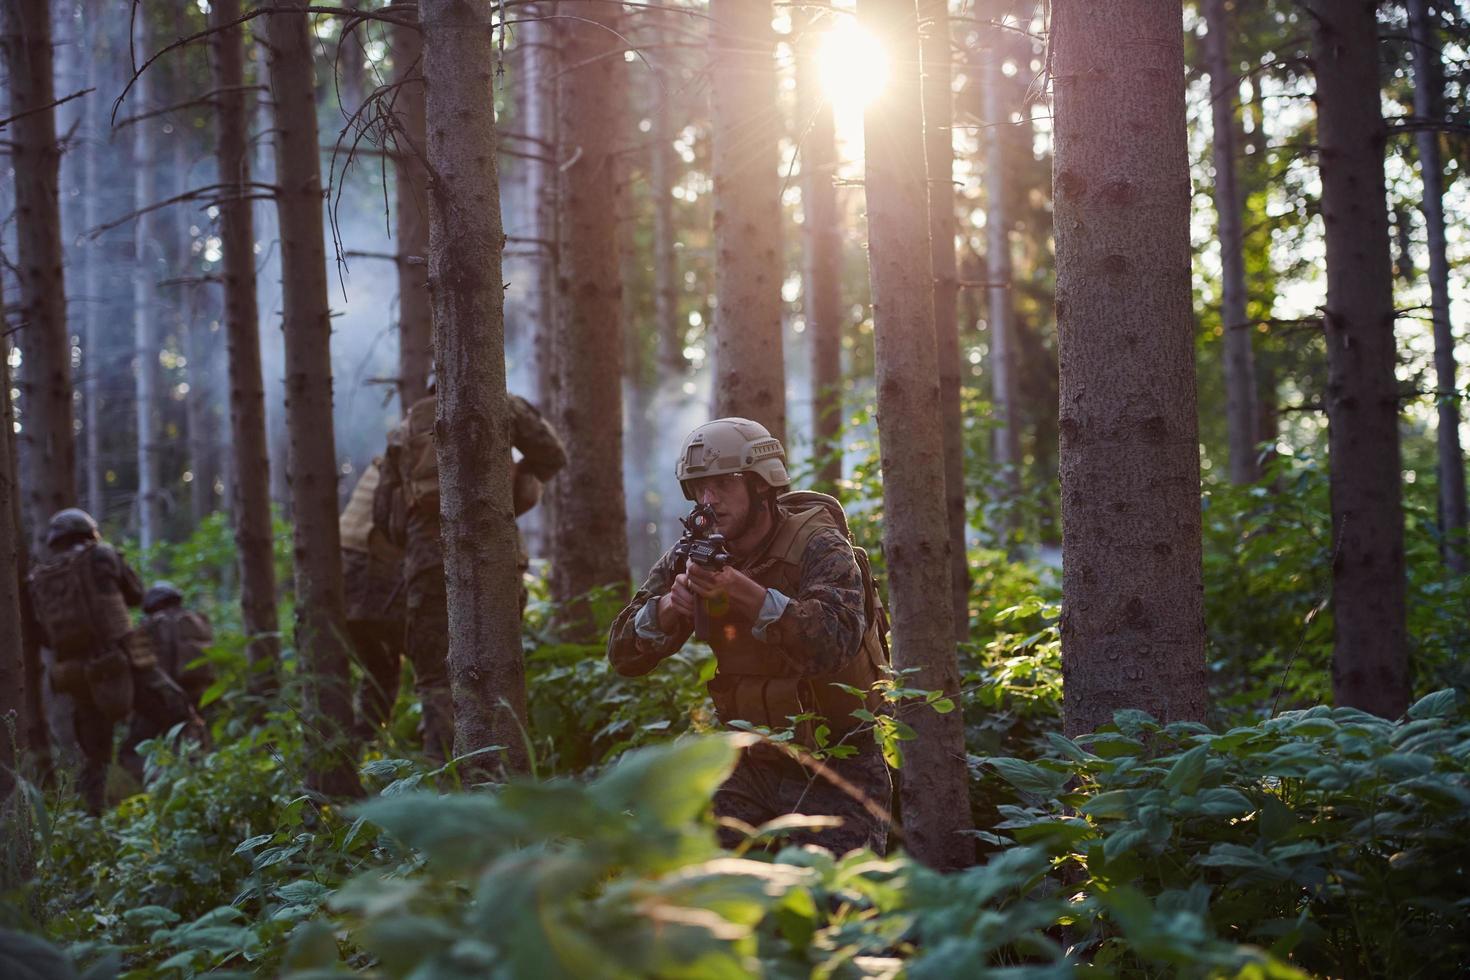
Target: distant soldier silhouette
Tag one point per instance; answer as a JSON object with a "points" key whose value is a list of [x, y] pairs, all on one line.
{"points": [[179, 638], [81, 590], [406, 504]]}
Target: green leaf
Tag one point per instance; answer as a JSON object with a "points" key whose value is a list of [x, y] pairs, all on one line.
{"points": [[253, 842], [1067, 747], [1185, 774], [150, 917], [1440, 704], [1028, 777], [24, 957], [1115, 804]]}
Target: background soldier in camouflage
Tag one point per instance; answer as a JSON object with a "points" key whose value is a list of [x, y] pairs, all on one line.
{"points": [[372, 571], [789, 617], [179, 637], [82, 590], [407, 498]]}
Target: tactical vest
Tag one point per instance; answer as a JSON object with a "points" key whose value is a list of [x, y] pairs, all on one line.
{"points": [[419, 464], [356, 527], [754, 683], [80, 618]]}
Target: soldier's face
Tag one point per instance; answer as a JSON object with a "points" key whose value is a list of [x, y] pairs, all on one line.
{"points": [[729, 495]]}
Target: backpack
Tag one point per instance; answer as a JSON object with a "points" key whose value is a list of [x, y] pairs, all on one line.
{"points": [[873, 609], [77, 618]]}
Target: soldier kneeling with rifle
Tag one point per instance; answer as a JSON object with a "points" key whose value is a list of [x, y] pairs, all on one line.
{"points": [[772, 582]]}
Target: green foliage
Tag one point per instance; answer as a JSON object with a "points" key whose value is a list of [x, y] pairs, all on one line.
{"points": [[1267, 572], [583, 714], [1328, 836]]}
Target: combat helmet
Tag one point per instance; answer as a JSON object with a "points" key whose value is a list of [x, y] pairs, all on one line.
{"points": [[731, 445], [160, 595], [73, 522]]}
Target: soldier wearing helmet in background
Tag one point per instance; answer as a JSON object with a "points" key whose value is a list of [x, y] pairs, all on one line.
{"points": [[81, 591], [406, 502], [372, 570], [179, 639], [790, 615]]}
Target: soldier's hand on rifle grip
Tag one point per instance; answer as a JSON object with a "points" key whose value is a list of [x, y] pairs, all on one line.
{"points": [[743, 594], [676, 610]]}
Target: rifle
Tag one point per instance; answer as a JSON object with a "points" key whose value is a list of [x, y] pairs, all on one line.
{"points": [[705, 547]]}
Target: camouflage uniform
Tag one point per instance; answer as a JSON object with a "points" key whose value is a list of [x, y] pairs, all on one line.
{"points": [[81, 592], [178, 637], [767, 674], [372, 571], [408, 498]]}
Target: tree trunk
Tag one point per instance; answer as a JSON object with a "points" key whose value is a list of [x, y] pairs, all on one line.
{"points": [[93, 145], [750, 378], [1132, 615], [14, 730], [821, 232], [45, 386], [1240, 367], [540, 65], [486, 672], [937, 53], [1428, 104], [590, 546], [916, 541], [1370, 658], [662, 168], [350, 61], [148, 269], [1005, 400], [411, 182], [252, 508], [320, 615], [193, 330]]}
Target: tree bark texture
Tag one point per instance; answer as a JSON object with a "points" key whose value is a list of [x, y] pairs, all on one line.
{"points": [[92, 148], [750, 377], [589, 546], [13, 680], [252, 507], [411, 183], [540, 65], [46, 384], [1237, 330], [936, 52], [1001, 320], [193, 331], [350, 61], [312, 452], [916, 540], [1370, 658], [473, 429], [148, 269], [662, 171], [821, 232], [1429, 104], [1132, 611]]}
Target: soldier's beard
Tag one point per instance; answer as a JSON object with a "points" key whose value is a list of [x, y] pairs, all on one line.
{"points": [[755, 506]]}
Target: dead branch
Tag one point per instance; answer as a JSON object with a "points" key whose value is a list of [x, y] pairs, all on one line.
{"points": [[198, 193], [50, 105], [245, 18], [208, 98]]}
